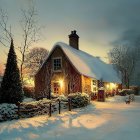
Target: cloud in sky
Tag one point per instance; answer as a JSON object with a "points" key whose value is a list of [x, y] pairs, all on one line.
{"points": [[98, 22]]}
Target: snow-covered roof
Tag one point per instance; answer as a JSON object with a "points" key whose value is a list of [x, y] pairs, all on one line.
{"points": [[88, 65]]}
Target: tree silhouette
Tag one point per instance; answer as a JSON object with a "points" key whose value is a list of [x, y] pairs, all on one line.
{"points": [[11, 87]]}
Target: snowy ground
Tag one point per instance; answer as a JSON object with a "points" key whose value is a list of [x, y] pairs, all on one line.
{"points": [[112, 120]]}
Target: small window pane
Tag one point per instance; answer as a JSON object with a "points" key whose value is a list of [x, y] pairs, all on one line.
{"points": [[57, 64]]}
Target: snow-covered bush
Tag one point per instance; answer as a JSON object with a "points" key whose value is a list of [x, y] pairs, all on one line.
{"points": [[79, 99], [125, 92], [34, 108], [8, 112], [63, 98], [28, 99], [54, 95]]}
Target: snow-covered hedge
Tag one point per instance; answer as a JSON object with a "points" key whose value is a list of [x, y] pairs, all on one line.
{"points": [[8, 112], [126, 92], [63, 98], [34, 108], [27, 109], [79, 99], [28, 99]]}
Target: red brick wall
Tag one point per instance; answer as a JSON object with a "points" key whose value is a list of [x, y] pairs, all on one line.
{"points": [[41, 81], [70, 76], [86, 84]]}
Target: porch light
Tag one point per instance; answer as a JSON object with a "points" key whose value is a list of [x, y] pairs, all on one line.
{"points": [[61, 83]]}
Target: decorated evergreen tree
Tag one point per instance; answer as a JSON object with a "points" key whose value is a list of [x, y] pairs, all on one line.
{"points": [[11, 87]]}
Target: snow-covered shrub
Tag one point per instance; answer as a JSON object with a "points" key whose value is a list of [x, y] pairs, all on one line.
{"points": [[63, 98], [125, 92], [54, 95], [8, 112], [34, 108], [79, 99], [28, 99]]}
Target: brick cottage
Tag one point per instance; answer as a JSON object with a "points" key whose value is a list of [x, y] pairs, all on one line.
{"points": [[68, 70]]}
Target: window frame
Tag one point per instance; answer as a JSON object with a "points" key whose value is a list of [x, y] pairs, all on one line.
{"points": [[59, 70]]}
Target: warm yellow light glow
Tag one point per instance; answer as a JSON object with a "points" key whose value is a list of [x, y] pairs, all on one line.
{"points": [[61, 83], [113, 86], [107, 86], [28, 81]]}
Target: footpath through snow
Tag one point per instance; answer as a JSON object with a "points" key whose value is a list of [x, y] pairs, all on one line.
{"points": [[111, 120]]}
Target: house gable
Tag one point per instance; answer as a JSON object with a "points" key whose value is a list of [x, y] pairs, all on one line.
{"points": [[70, 76]]}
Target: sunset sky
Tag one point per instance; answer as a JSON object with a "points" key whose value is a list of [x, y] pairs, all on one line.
{"points": [[99, 23]]}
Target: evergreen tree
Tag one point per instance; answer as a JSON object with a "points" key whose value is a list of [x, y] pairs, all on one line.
{"points": [[11, 87]]}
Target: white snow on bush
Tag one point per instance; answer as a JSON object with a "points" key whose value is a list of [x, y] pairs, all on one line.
{"points": [[8, 111], [28, 100], [63, 98], [79, 99]]}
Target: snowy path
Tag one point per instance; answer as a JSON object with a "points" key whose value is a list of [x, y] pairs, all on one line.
{"points": [[98, 121]]}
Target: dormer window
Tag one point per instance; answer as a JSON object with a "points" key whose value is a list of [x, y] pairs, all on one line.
{"points": [[57, 64]]}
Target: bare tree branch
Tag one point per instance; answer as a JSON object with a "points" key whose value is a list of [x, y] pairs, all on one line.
{"points": [[34, 60], [30, 34], [124, 59], [6, 36]]}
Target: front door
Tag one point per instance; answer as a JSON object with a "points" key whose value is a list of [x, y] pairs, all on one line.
{"points": [[56, 88]]}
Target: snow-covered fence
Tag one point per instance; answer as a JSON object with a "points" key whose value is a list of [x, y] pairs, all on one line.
{"points": [[30, 109], [42, 107], [34, 108]]}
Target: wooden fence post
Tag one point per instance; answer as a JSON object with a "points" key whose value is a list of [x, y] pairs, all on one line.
{"points": [[50, 110], [69, 103], [59, 106]]}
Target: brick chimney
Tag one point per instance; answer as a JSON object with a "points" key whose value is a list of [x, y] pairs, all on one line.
{"points": [[74, 40]]}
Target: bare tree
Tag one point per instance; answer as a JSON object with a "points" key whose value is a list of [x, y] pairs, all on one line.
{"points": [[34, 60], [5, 29], [124, 60], [30, 34], [29, 28]]}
